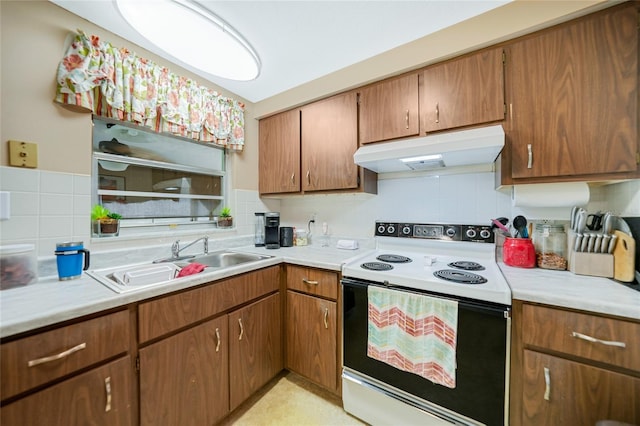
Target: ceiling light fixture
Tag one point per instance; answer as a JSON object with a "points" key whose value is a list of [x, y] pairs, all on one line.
{"points": [[194, 35]]}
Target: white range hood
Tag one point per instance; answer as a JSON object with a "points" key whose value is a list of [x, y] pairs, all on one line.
{"points": [[461, 148]]}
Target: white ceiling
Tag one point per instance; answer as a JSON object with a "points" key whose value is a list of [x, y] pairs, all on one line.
{"points": [[299, 41]]}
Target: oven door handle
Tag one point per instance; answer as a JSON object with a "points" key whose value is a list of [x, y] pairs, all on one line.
{"points": [[498, 310]]}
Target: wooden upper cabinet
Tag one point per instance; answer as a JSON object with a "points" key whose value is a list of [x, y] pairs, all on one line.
{"points": [[463, 92], [389, 109], [329, 140], [574, 96], [279, 153]]}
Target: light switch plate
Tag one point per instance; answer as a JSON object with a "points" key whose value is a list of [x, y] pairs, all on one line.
{"points": [[23, 154]]}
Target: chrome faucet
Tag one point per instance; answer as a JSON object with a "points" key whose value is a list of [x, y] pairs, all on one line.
{"points": [[176, 249]]}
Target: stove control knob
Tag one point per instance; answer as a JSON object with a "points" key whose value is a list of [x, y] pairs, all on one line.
{"points": [[471, 233], [406, 230], [391, 229], [381, 229], [450, 232], [485, 234]]}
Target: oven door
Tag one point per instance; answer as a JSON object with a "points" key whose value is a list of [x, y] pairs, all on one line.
{"points": [[481, 391]]}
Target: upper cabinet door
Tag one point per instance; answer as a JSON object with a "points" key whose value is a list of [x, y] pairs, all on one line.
{"points": [[279, 148], [389, 110], [574, 98], [463, 92], [329, 140]]}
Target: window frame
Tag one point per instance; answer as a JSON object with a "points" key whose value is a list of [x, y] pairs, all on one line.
{"points": [[158, 222]]}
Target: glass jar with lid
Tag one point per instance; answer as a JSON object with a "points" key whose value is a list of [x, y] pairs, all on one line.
{"points": [[550, 241]]}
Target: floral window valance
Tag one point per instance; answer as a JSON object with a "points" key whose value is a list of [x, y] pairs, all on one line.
{"points": [[115, 83]]}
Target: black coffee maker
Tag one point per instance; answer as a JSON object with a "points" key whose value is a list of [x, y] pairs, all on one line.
{"points": [[271, 230]]}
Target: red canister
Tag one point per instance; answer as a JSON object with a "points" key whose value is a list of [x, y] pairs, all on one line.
{"points": [[519, 252]]}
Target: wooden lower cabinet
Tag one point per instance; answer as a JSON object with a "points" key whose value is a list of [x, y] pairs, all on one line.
{"points": [[184, 378], [311, 337], [572, 367], [557, 391], [101, 396], [255, 347]]}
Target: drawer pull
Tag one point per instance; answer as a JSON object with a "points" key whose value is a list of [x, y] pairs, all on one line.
{"points": [[594, 340], [241, 329], [107, 388], [61, 355], [326, 317], [547, 384], [217, 339], [306, 281]]}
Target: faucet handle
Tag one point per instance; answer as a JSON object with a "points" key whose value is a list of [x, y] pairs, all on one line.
{"points": [[175, 248]]}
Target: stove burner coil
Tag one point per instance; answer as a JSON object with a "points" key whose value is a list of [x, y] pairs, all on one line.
{"points": [[393, 258], [376, 266], [467, 265], [461, 277]]}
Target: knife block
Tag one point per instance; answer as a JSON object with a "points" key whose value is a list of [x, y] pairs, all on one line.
{"points": [[594, 264]]}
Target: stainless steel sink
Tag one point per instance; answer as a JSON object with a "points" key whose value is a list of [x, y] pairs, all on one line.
{"points": [[125, 279], [225, 259]]}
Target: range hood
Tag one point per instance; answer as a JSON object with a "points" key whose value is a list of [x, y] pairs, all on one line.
{"points": [[460, 148]]}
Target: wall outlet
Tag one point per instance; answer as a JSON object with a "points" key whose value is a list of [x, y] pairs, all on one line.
{"points": [[23, 154]]}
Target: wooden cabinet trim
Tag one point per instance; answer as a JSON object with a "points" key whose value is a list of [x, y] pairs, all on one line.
{"points": [[104, 337]]}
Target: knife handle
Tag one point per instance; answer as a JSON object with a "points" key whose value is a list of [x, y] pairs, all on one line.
{"points": [[578, 243], [612, 243]]}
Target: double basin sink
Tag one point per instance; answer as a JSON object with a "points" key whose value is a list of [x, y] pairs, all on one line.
{"points": [[137, 277]]}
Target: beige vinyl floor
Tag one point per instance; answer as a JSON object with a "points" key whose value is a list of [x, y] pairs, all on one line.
{"points": [[290, 400]]}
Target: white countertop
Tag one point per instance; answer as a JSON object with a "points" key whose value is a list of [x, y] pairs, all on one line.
{"points": [[51, 301], [568, 290]]}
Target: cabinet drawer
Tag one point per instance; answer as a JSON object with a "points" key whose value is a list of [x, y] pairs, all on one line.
{"points": [[571, 333], [161, 316], [35, 360], [313, 281]]}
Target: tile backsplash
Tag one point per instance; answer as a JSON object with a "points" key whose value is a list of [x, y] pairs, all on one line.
{"points": [[51, 207]]}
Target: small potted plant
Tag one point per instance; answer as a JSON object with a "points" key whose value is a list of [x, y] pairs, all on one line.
{"points": [[225, 220], [105, 223]]}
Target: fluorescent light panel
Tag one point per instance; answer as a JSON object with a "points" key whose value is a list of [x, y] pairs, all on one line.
{"points": [[194, 35], [422, 158]]}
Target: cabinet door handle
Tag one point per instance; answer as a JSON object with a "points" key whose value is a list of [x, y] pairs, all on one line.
{"points": [[547, 384], [594, 340], [217, 339], [107, 388], [61, 355], [306, 281], [293, 178], [309, 177], [241, 329], [437, 112], [326, 317], [406, 120], [529, 156]]}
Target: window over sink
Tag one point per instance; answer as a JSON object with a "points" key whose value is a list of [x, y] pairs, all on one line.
{"points": [[156, 180]]}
